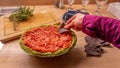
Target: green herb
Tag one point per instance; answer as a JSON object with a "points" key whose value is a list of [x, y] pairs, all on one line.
{"points": [[22, 14]]}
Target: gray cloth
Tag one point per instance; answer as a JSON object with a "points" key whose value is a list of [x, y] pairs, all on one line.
{"points": [[94, 46]]}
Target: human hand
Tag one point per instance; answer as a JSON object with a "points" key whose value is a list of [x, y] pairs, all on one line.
{"points": [[75, 22]]}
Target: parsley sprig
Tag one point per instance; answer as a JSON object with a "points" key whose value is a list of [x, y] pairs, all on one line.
{"points": [[22, 14]]}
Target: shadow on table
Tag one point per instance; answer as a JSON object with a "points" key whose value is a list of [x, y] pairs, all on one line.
{"points": [[69, 60]]}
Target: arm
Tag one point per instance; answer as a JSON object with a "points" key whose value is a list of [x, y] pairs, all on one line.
{"points": [[107, 29]]}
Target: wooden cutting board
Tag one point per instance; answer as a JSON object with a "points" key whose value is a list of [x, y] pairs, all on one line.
{"points": [[40, 17]]}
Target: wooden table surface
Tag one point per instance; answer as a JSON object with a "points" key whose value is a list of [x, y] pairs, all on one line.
{"points": [[12, 56], [40, 2]]}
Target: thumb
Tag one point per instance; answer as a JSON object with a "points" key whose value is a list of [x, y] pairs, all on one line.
{"points": [[70, 25]]}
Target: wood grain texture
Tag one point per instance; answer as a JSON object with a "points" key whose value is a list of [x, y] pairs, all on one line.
{"points": [[8, 34], [36, 2], [40, 17], [12, 56]]}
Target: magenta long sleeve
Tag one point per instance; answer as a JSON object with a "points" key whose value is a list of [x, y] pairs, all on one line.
{"points": [[107, 29]]}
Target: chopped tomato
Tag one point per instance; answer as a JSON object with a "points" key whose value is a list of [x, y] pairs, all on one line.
{"points": [[47, 39]]}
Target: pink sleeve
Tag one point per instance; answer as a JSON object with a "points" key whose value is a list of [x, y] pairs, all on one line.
{"points": [[105, 28]]}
